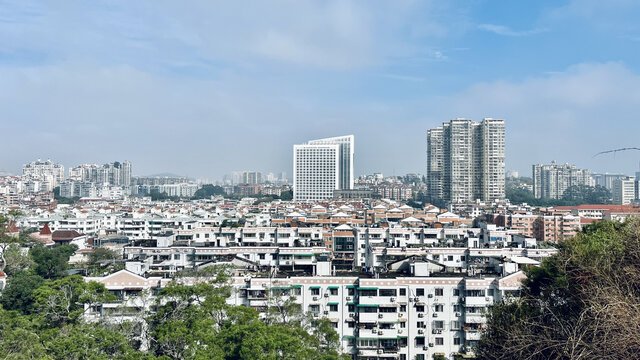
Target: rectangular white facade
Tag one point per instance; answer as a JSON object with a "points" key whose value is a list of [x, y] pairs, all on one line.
{"points": [[322, 166], [315, 171]]}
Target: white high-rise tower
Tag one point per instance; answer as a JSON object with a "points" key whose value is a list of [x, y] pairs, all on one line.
{"points": [[322, 166]]}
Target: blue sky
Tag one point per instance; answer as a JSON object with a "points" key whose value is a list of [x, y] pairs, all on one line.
{"points": [[202, 88]]}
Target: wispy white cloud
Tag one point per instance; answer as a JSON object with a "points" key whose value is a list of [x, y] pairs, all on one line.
{"points": [[506, 31]]}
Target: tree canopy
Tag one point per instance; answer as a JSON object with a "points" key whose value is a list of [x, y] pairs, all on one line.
{"points": [[43, 319], [208, 190], [582, 303]]}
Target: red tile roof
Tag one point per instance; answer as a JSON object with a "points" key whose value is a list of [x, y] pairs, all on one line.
{"points": [[45, 230]]}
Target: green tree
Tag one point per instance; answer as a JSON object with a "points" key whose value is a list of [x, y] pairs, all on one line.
{"points": [[16, 260], [60, 302], [207, 191], [20, 338], [101, 254], [18, 295], [286, 195], [581, 303], [6, 240], [51, 262]]}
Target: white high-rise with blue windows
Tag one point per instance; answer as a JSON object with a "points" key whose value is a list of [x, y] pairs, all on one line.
{"points": [[322, 166]]}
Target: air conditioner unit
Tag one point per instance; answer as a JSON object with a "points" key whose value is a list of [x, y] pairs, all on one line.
{"points": [[287, 262], [326, 294], [326, 312], [416, 299], [430, 295], [400, 315], [380, 316], [487, 299], [435, 314], [430, 344], [315, 314], [348, 298], [393, 299], [315, 298], [400, 331], [380, 351], [434, 331], [458, 314], [420, 315], [380, 332], [462, 299], [420, 331], [352, 315], [425, 348]]}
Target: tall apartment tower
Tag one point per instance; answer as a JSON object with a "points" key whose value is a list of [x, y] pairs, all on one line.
{"points": [[550, 181], [322, 166], [466, 161], [50, 173]]}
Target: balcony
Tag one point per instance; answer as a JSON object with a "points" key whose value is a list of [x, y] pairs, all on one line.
{"points": [[473, 335], [476, 301]]}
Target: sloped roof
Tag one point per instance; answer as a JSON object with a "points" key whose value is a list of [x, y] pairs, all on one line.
{"points": [[45, 229]]}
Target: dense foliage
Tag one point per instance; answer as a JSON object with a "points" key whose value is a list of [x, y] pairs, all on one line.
{"points": [[42, 317], [63, 200], [582, 303], [574, 195], [207, 191]]}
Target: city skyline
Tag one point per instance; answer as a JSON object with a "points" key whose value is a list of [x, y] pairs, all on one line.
{"points": [[157, 74]]}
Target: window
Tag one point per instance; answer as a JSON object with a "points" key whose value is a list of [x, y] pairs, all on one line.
{"points": [[439, 341], [352, 308], [367, 292], [420, 325], [419, 292], [403, 308], [456, 292], [456, 341], [457, 308], [315, 291], [333, 307], [387, 292], [455, 325], [387, 309], [333, 291], [351, 324], [262, 256], [351, 291], [314, 308], [438, 307], [420, 342], [420, 308], [490, 292], [439, 291], [403, 292], [334, 325], [438, 324]]}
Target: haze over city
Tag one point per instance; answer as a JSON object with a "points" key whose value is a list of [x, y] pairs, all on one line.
{"points": [[212, 87]]}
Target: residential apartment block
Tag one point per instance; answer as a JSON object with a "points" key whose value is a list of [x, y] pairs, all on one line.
{"points": [[466, 161], [551, 181], [47, 172], [624, 190]]}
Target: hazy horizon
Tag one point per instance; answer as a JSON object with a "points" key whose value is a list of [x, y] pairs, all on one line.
{"points": [[214, 87]]}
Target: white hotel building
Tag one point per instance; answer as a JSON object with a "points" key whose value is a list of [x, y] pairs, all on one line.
{"points": [[322, 166]]}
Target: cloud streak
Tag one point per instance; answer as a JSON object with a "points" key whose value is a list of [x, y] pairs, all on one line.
{"points": [[506, 31]]}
